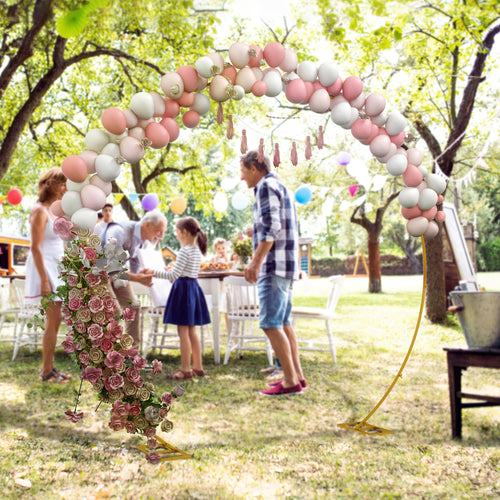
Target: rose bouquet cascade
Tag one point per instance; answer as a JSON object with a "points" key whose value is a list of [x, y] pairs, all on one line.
{"points": [[97, 340]]}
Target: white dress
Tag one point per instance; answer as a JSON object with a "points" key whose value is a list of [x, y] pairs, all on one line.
{"points": [[52, 248]]}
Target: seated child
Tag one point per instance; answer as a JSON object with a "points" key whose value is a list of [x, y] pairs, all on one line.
{"points": [[220, 252]]}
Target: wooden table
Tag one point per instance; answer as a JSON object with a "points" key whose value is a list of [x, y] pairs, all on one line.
{"points": [[461, 359], [211, 284]]}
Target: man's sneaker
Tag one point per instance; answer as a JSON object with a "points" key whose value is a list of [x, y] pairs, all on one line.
{"points": [[275, 375], [303, 383], [279, 390]]}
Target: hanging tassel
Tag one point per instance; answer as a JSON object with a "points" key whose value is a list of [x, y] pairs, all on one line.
{"points": [[260, 154], [230, 131], [320, 137], [308, 147], [220, 114], [243, 147], [276, 159], [293, 155]]}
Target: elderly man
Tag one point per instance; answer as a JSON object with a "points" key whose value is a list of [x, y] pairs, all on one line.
{"points": [[146, 232], [274, 267]]}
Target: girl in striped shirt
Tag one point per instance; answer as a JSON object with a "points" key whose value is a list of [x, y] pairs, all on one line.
{"points": [[186, 305]]}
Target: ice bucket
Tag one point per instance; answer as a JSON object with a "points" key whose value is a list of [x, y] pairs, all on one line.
{"points": [[479, 315]]}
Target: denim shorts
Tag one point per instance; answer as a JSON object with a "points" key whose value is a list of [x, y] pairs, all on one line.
{"points": [[275, 301]]}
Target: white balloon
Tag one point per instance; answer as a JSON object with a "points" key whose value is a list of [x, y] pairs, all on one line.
{"points": [[111, 149], [273, 82], [408, 197], [389, 154], [308, 71], [76, 186], [201, 104], [352, 119], [380, 145], [84, 218], [378, 182], [423, 170], [229, 183], [96, 139], [327, 74], [415, 156], [143, 105], [436, 182], [220, 201], [395, 123], [204, 66], [431, 231], [71, 202], [379, 119], [417, 226], [341, 113], [397, 164], [427, 199], [239, 201], [238, 93], [286, 78], [107, 168]]}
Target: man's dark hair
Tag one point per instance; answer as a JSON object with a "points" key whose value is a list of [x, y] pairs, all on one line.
{"points": [[107, 205], [252, 158]]}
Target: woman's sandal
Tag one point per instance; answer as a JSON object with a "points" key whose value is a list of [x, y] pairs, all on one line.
{"points": [[53, 376], [180, 375], [65, 376], [199, 373]]}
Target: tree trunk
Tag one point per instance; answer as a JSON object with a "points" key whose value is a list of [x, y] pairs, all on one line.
{"points": [[374, 272], [435, 297]]}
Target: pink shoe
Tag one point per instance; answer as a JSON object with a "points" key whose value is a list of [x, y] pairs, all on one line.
{"points": [[279, 390], [303, 383]]}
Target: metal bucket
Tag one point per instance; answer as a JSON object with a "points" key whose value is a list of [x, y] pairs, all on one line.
{"points": [[479, 315]]}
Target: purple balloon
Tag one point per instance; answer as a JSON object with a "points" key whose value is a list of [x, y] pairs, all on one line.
{"points": [[343, 158], [150, 201]]}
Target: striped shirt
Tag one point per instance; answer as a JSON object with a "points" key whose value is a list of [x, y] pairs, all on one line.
{"points": [[186, 265], [275, 219]]}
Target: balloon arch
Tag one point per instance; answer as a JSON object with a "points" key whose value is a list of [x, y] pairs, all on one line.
{"points": [[150, 121]]}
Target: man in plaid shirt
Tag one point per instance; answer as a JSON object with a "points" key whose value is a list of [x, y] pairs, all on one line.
{"points": [[274, 267]]}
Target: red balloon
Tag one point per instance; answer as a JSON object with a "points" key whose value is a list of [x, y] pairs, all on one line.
{"points": [[14, 196]]}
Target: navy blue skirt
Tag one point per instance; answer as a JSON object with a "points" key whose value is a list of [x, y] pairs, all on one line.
{"points": [[186, 304]]}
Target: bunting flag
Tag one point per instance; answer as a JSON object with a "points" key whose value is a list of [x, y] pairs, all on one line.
{"points": [[353, 189], [118, 197], [132, 197]]}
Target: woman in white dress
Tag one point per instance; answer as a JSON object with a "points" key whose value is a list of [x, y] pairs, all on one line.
{"points": [[41, 267]]}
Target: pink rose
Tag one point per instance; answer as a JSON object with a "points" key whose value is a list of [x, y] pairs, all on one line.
{"points": [[120, 409], [62, 227], [116, 423], [90, 253], [152, 444], [114, 360], [109, 315], [115, 330], [153, 457], [92, 374], [164, 412], [157, 367], [84, 314], [74, 417], [139, 363], [134, 409], [133, 374], [95, 332], [80, 327], [83, 357], [106, 345], [131, 353], [114, 382], [75, 303], [129, 314], [72, 280], [130, 427], [69, 345], [95, 304], [93, 279], [150, 432], [109, 303], [167, 398]]}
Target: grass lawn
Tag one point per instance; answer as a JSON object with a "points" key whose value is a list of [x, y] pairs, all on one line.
{"points": [[247, 446]]}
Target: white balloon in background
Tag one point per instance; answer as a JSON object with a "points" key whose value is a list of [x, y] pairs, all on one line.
{"points": [[220, 201], [229, 183], [378, 182], [239, 201]]}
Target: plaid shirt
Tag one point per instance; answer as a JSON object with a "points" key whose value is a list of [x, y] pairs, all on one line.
{"points": [[275, 219]]}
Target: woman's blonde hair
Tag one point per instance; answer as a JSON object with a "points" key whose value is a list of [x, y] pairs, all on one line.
{"points": [[49, 183]]}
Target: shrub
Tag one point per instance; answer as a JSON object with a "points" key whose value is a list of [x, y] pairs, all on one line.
{"points": [[489, 252]]}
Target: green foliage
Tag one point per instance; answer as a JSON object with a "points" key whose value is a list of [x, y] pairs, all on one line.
{"points": [[490, 255]]}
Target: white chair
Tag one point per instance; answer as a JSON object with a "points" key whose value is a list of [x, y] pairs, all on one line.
{"points": [[9, 313], [243, 316], [326, 314]]}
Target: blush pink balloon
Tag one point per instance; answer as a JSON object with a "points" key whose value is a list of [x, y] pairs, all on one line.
{"points": [[172, 108], [158, 135], [309, 91], [131, 149], [411, 213], [440, 216], [106, 186], [186, 99], [190, 78], [296, 91], [259, 88], [412, 176], [440, 199], [430, 213], [380, 145], [352, 87], [74, 168], [230, 73], [336, 87], [191, 118], [137, 132], [254, 61], [398, 139], [172, 127], [131, 118], [317, 85], [114, 120], [374, 104], [89, 159], [274, 53], [92, 197], [56, 209], [374, 133], [361, 129]]}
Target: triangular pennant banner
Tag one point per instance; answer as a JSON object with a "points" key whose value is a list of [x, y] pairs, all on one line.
{"points": [[165, 450], [118, 197], [132, 197], [353, 189]]}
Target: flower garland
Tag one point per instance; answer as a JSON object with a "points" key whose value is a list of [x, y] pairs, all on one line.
{"points": [[96, 339]]}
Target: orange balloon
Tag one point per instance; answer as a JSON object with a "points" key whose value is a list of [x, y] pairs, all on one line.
{"points": [[179, 205]]}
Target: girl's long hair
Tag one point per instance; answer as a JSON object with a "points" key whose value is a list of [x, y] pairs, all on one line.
{"points": [[192, 226]]}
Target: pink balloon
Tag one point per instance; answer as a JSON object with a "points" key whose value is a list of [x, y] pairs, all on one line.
{"points": [[411, 213], [440, 216], [172, 127], [131, 149], [398, 139], [230, 73], [92, 197], [56, 209], [352, 87], [172, 108], [361, 129], [412, 176], [254, 61], [296, 91], [430, 213], [373, 134], [106, 186], [259, 88], [137, 132], [74, 168], [89, 159], [309, 91], [131, 118], [274, 53], [191, 118], [186, 99], [158, 135], [374, 104], [317, 85], [190, 78], [335, 88], [440, 199], [380, 145], [114, 121]]}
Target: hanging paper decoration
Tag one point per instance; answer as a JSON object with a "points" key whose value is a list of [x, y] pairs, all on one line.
{"points": [[220, 114], [230, 129], [276, 159], [293, 155], [321, 142], [353, 189], [308, 152], [118, 197], [133, 197], [243, 147], [260, 153]]}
